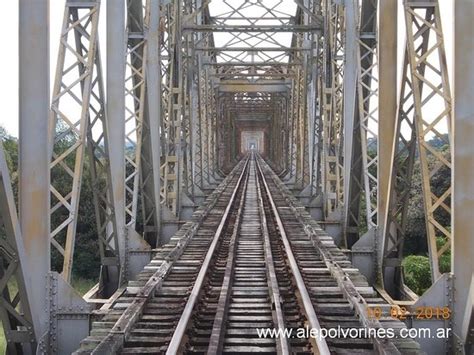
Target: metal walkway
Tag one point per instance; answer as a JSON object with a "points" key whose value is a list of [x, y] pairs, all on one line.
{"points": [[250, 259]]}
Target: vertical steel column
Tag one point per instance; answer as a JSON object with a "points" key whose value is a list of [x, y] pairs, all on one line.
{"points": [[151, 181], [212, 145], [368, 107], [34, 154], [334, 104], [387, 103], [99, 164], [351, 119], [314, 116], [293, 115], [198, 114], [187, 73], [135, 91], [173, 164], [361, 117], [462, 260], [387, 52], [309, 94], [204, 119], [116, 116]]}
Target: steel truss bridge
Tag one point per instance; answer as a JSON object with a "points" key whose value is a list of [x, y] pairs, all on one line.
{"points": [[197, 236]]}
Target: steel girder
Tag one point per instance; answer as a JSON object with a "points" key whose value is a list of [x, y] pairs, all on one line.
{"points": [[78, 120], [171, 55], [333, 186], [362, 155], [315, 116], [151, 140], [278, 127], [72, 129], [15, 287], [201, 124], [135, 90], [425, 85], [200, 93], [33, 166], [245, 56], [463, 169], [212, 145], [142, 107], [310, 13]]}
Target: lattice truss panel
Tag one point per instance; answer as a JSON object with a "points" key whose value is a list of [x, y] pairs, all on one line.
{"points": [[237, 45], [423, 133], [203, 127], [192, 127], [364, 160], [252, 39], [171, 105], [15, 311], [200, 100], [315, 110], [140, 205], [257, 41], [279, 142], [333, 106], [308, 12], [299, 119], [78, 121], [367, 93], [135, 90]]}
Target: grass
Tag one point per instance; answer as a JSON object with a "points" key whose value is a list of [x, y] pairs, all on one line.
{"points": [[3, 342], [81, 285]]}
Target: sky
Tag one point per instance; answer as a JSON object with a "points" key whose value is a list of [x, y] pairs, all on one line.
{"points": [[9, 59]]}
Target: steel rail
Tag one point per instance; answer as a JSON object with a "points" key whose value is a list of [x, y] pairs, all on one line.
{"points": [[218, 328], [307, 304], [346, 285], [113, 341], [274, 289], [180, 330]]}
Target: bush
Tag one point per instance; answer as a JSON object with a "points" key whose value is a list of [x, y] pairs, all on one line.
{"points": [[445, 259], [417, 273]]}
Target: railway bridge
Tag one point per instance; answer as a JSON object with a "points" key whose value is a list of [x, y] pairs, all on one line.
{"points": [[252, 164]]}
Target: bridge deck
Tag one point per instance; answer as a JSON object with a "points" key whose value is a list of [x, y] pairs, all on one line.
{"points": [[251, 258]]}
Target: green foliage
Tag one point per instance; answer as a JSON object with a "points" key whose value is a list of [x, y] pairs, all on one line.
{"points": [[445, 259], [3, 342], [415, 236], [82, 285], [417, 273], [417, 265], [86, 254], [10, 148]]}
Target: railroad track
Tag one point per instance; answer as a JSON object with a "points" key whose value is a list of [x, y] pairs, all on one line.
{"points": [[251, 258]]}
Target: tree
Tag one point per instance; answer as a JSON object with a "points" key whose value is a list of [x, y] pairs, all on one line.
{"points": [[86, 254]]}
